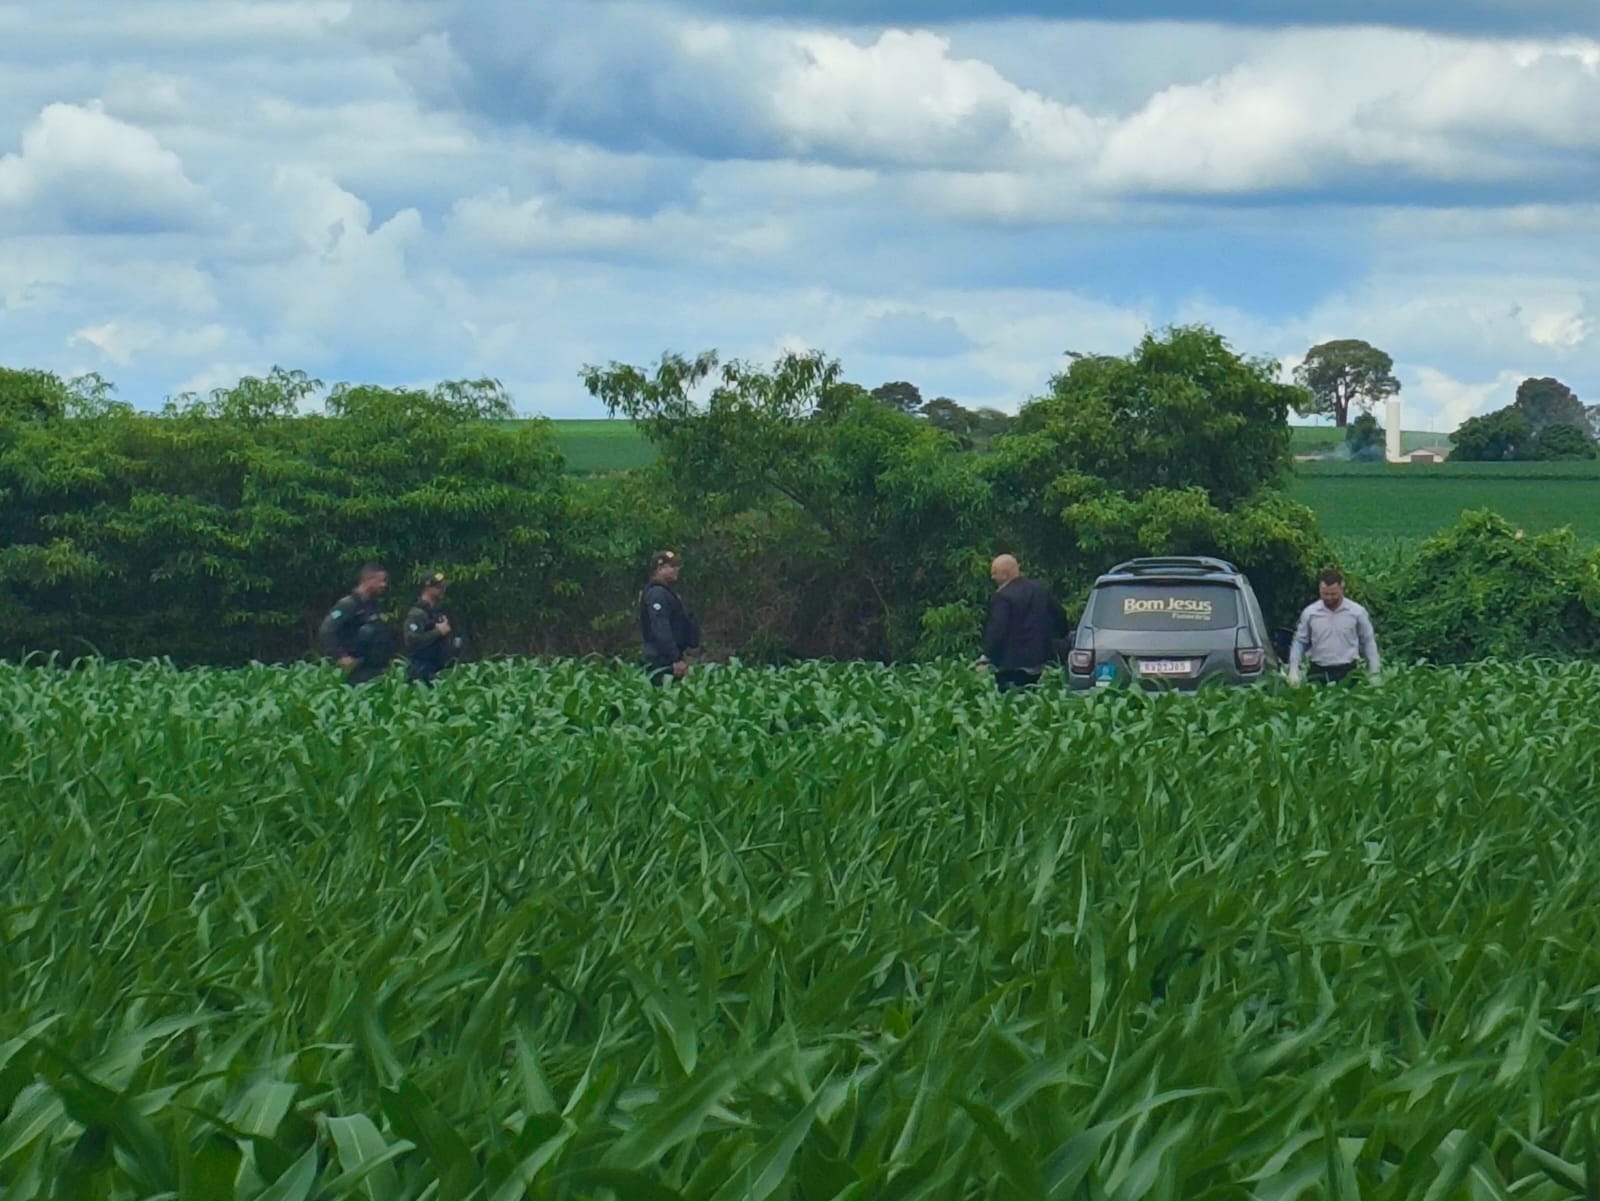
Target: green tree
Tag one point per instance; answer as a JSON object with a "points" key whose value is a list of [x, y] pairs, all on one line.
{"points": [[1549, 402], [1347, 372], [900, 396], [874, 514], [1364, 436], [990, 423], [1563, 442], [945, 414], [281, 393], [43, 396], [31, 395], [1182, 411], [1496, 437]]}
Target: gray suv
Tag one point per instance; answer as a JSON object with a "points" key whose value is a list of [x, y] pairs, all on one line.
{"points": [[1171, 623]]}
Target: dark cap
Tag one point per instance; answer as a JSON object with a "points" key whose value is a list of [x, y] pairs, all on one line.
{"points": [[436, 580], [662, 558]]}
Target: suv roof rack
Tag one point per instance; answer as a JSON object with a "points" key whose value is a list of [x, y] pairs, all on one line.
{"points": [[1175, 563]]}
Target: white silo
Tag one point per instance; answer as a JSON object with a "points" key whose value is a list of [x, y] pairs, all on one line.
{"points": [[1391, 429]]}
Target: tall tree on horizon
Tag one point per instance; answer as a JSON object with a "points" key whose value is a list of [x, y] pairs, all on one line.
{"points": [[1343, 373]]}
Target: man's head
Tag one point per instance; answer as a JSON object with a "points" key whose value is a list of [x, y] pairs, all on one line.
{"points": [[1004, 569], [433, 588], [1330, 586], [372, 581], [664, 566]]}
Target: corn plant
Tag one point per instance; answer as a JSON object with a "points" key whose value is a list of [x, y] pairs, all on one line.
{"points": [[827, 933]]}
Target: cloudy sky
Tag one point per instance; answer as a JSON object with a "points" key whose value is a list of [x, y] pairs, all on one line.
{"points": [[952, 192]]}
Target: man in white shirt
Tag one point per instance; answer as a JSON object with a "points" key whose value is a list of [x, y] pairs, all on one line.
{"points": [[1335, 632]]}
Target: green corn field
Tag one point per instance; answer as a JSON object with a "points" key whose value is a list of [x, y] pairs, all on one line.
{"points": [[833, 932]]}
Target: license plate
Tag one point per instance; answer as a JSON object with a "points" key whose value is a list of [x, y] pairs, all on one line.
{"points": [[1166, 667]]}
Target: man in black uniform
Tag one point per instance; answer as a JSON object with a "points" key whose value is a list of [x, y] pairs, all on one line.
{"points": [[1024, 623], [667, 630], [427, 633], [353, 635]]}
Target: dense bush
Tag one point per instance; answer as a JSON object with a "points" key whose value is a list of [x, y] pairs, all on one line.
{"points": [[1484, 589], [214, 534]]}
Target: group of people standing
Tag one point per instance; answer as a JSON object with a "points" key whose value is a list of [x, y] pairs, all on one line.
{"points": [[1024, 630], [355, 637]]}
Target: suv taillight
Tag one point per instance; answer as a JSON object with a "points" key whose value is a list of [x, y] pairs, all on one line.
{"points": [[1247, 654], [1081, 660]]}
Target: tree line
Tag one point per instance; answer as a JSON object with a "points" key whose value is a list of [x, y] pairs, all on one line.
{"points": [[815, 519], [1545, 421]]}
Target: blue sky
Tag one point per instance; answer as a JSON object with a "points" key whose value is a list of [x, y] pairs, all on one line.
{"points": [[944, 191]]}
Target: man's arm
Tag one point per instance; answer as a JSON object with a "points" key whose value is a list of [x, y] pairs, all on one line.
{"points": [[419, 633], [1369, 641], [994, 634], [331, 632], [1301, 643]]}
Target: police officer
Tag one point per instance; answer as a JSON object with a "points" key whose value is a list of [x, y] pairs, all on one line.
{"points": [[1024, 623], [665, 627], [1335, 633], [353, 634], [427, 633]]}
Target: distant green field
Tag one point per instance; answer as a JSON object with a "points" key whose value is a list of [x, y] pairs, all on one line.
{"points": [[1352, 500], [1381, 501], [597, 447]]}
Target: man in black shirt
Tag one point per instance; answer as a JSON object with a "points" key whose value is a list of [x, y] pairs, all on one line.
{"points": [[353, 634], [665, 627], [427, 633], [1024, 623]]}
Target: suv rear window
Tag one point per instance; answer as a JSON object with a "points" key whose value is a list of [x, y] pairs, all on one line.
{"points": [[1157, 606]]}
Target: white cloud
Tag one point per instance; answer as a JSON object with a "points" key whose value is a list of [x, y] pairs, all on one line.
{"points": [[219, 375], [1559, 322], [344, 279], [1369, 109], [903, 98], [1323, 105], [121, 340], [1436, 401], [143, 97], [80, 168], [539, 226]]}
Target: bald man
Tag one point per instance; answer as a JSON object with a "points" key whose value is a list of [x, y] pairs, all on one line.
{"points": [[1024, 621]]}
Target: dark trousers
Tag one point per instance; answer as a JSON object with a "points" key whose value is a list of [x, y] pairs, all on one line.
{"points": [[1016, 681], [659, 676], [1319, 674]]}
